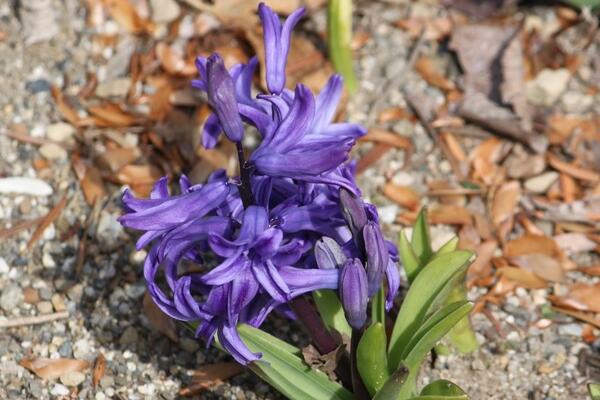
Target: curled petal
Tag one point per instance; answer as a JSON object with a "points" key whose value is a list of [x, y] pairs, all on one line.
{"points": [[327, 102], [231, 341], [270, 279], [211, 131], [226, 271], [393, 281]]}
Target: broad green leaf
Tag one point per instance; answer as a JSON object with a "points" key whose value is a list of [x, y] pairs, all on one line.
{"points": [[392, 387], [442, 387], [283, 369], [339, 29], [584, 3], [594, 390], [378, 307], [371, 358], [408, 257], [429, 289], [329, 306], [462, 336], [420, 240], [425, 339], [448, 247]]}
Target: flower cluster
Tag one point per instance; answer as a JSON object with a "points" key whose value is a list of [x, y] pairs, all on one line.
{"points": [[232, 250]]}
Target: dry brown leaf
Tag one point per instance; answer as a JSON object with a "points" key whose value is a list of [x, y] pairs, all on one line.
{"points": [[116, 158], [574, 242], [158, 319], [528, 244], [523, 278], [372, 156], [542, 265], [99, 369], [484, 159], [173, 62], [429, 71], [124, 13], [92, 185], [450, 214], [481, 267], [594, 270], [505, 202], [110, 114], [393, 114], [579, 315], [387, 137], [431, 28], [572, 170], [403, 195], [48, 219], [453, 146], [209, 376], [583, 297], [64, 107], [138, 174], [47, 368]]}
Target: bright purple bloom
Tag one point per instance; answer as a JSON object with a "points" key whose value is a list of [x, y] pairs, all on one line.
{"points": [[277, 44], [353, 292], [217, 261]]}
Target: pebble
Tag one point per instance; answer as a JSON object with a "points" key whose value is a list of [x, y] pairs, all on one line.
{"points": [[31, 295], [576, 102], [109, 229], [45, 293], [164, 11], [72, 378], [44, 307], [24, 185], [189, 345], [114, 88], [48, 261], [4, 268], [59, 390], [548, 86], [571, 330], [541, 183], [60, 132], [53, 151], [58, 303], [11, 298], [130, 336]]}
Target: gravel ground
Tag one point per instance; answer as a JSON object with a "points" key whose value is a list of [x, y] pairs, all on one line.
{"points": [[104, 299]]}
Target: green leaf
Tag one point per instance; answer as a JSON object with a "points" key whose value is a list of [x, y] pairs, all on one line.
{"points": [[448, 247], [378, 307], [429, 289], [584, 3], [339, 29], [332, 313], [594, 390], [462, 336], [442, 387], [425, 339], [408, 257], [283, 369], [420, 240], [371, 358], [391, 389]]}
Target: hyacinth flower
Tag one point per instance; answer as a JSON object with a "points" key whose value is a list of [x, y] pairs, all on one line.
{"points": [[226, 253]]}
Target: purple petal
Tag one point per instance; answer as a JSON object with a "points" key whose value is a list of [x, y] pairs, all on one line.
{"points": [[160, 190], [268, 242], [255, 222], [242, 291], [233, 344], [327, 102], [268, 276], [211, 131], [301, 280], [393, 280], [353, 293], [226, 271], [353, 210], [377, 256], [221, 96]]}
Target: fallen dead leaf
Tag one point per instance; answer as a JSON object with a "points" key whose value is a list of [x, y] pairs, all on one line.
{"points": [[523, 278], [116, 158], [393, 114], [403, 195], [542, 265], [505, 202], [429, 71], [48, 219], [209, 376], [173, 62], [431, 28], [592, 271], [47, 368], [112, 115], [386, 137], [372, 156], [453, 146], [138, 174], [481, 267], [92, 184], [450, 214], [124, 13], [64, 106], [574, 242], [158, 319], [572, 170], [528, 244], [581, 296], [99, 369]]}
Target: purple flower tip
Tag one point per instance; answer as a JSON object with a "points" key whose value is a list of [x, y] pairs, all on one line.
{"points": [[377, 256], [353, 293], [221, 96]]}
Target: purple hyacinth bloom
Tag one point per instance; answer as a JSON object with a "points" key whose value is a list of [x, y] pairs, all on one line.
{"points": [[377, 256], [353, 292], [277, 44], [221, 96]]}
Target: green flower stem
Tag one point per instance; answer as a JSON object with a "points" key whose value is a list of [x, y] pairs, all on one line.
{"points": [[358, 387], [339, 30]]}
